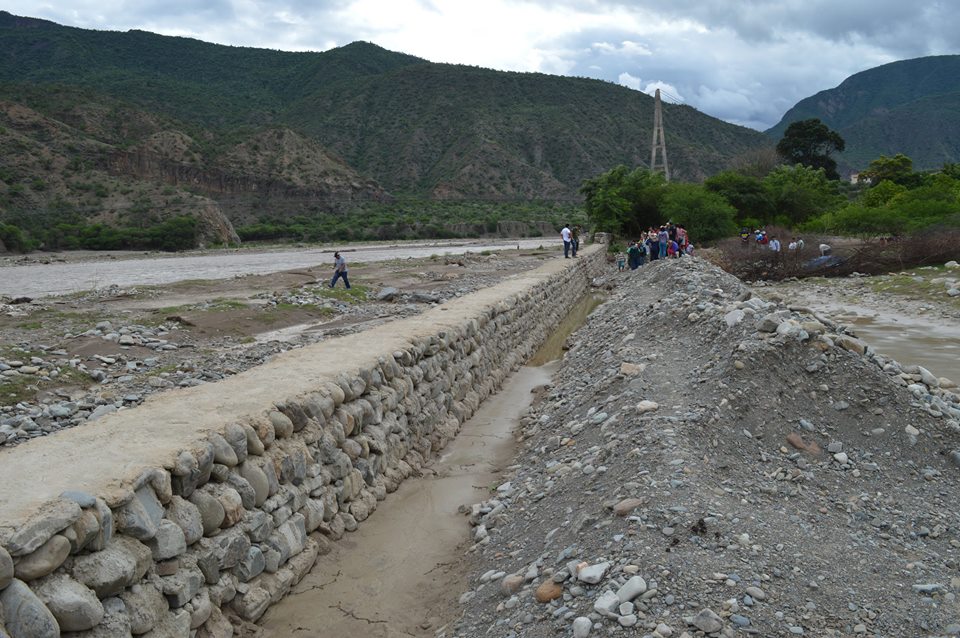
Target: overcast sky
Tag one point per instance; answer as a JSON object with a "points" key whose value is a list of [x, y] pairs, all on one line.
{"points": [[745, 61]]}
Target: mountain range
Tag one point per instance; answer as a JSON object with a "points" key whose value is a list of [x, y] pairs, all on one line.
{"points": [[131, 127], [910, 107]]}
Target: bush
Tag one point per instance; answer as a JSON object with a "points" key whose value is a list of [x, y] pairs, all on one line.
{"points": [[13, 239]]}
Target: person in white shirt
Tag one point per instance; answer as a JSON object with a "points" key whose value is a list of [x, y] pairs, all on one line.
{"points": [[339, 270], [775, 245], [566, 236]]}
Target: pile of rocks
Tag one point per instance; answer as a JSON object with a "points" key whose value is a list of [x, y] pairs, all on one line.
{"points": [[716, 464]]}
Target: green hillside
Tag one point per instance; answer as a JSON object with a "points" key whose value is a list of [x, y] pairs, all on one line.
{"points": [[270, 136], [910, 107]]}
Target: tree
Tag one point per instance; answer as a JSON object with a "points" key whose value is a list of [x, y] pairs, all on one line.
{"points": [[622, 201], [810, 143], [799, 192], [705, 215], [897, 170], [743, 192], [951, 170], [881, 193]]}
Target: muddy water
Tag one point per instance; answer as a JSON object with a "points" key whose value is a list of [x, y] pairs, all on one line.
{"points": [[552, 348], [910, 340], [40, 280], [397, 574]]}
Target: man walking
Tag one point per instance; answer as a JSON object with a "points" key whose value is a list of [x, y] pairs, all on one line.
{"points": [[566, 236], [339, 270]]}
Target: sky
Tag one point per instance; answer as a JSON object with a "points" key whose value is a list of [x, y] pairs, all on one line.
{"points": [[744, 61]]}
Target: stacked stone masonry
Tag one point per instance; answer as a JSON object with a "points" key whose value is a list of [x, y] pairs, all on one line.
{"points": [[217, 532]]}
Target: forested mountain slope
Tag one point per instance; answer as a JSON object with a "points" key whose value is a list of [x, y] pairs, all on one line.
{"points": [[910, 107]]}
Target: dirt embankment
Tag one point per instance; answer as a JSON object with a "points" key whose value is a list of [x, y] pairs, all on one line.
{"points": [[708, 462]]}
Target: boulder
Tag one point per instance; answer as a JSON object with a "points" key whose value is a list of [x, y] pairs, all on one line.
{"points": [[141, 516], [25, 615], [6, 568], [187, 517], [109, 571], [73, 604], [168, 542], [44, 560]]}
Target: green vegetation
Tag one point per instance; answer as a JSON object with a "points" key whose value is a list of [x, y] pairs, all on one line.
{"points": [[891, 208], [810, 143], [908, 284], [907, 107], [25, 387], [227, 304], [13, 239], [356, 293], [416, 219], [626, 202], [177, 233]]}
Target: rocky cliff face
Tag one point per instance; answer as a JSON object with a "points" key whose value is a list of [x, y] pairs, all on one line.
{"points": [[276, 169], [215, 227]]}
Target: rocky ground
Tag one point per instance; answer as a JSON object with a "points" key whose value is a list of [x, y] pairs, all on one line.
{"points": [[930, 291], [65, 361], [710, 462]]}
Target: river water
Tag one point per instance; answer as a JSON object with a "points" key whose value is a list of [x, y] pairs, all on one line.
{"points": [[910, 340], [41, 280]]}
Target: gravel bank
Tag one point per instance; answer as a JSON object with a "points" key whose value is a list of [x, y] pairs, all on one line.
{"points": [[712, 463]]}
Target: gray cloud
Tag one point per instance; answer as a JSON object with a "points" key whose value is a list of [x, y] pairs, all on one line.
{"points": [[746, 62]]}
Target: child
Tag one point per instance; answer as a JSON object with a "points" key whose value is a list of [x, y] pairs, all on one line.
{"points": [[621, 262]]}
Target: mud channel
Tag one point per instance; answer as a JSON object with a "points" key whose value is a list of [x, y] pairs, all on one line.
{"points": [[399, 574]]}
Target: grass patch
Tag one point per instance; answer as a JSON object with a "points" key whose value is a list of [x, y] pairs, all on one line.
{"points": [[16, 389], [227, 304], [157, 371], [271, 314], [906, 285], [356, 294], [30, 325], [25, 387]]}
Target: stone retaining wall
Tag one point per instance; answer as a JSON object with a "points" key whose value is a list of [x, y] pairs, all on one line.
{"points": [[205, 506]]}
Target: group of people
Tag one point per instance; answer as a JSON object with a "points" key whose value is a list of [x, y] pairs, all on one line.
{"points": [[669, 241], [571, 240], [764, 239]]}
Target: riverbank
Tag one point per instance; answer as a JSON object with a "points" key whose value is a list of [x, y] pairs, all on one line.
{"points": [[69, 360], [715, 463], [910, 316]]}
